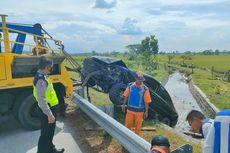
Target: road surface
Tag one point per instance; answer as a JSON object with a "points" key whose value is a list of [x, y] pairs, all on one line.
{"points": [[15, 139]]}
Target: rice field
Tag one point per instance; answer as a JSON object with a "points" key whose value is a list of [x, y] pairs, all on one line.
{"points": [[218, 62]]}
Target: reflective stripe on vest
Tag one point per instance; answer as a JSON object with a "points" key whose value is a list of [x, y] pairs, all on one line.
{"points": [[158, 149], [136, 98], [222, 132], [50, 94]]}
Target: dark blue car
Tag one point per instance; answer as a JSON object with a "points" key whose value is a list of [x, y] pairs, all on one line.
{"points": [[112, 76]]}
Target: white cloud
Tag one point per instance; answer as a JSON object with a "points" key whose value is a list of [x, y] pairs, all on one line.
{"points": [[90, 25], [178, 24], [189, 2], [102, 4], [130, 28]]}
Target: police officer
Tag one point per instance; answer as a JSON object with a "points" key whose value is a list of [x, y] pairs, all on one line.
{"points": [[160, 144], [199, 123], [218, 137], [46, 97]]}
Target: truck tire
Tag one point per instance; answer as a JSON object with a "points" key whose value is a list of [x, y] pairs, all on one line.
{"points": [[116, 93], [6, 102], [28, 114], [20, 97]]}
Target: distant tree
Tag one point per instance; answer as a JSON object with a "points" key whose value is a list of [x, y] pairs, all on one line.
{"points": [[149, 51], [208, 52], [217, 52], [114, 53], [188, 52], [126, 53], [162, 53], [226, 52], [134, 48], [150, 45], [185, 57], [94, 52]]}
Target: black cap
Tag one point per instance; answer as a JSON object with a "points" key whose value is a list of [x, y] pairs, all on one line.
{"points": [[160, 141]]}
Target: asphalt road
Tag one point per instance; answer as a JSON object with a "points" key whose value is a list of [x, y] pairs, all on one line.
{"points": [[15, 139]]}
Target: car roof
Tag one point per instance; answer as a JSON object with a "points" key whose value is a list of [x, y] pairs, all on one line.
{"points": [[109, 61]]}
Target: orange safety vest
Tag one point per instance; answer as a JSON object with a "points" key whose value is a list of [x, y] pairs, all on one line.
{"points": [[158, 149]]}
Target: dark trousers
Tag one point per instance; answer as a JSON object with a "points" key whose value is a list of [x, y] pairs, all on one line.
{"points": [[45, 143]]}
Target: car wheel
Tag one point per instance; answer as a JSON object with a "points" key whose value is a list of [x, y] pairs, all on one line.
{"points": [[166, 121], [28, 113], [116, 93]]}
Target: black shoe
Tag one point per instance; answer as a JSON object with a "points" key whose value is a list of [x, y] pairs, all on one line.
{"points": [[57, 150], [63, 109]]}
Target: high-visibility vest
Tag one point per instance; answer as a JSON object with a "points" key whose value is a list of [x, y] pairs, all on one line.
{"points": [[50, 93], [157, 150], [136, 98]]}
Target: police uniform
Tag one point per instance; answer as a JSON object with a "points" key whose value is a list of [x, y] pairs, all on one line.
{"points": [[206, 124], [218, 138], [46, 97]]}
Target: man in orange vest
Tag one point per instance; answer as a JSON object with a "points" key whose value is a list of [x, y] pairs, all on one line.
{"points": [[160, 144], [137, 97]]}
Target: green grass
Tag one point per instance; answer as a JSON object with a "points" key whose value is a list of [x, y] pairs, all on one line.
{"points": [[175, 140], [218, 62], [100, 99], [217, 90]]}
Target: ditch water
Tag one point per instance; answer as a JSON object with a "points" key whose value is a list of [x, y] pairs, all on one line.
{"points": [[182, 99]]}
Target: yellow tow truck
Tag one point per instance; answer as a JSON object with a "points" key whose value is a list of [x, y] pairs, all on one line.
{"points": [[20, 49]]}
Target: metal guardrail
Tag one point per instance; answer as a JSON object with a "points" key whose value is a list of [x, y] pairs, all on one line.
{"points": [[132, 142], [128, 139]]}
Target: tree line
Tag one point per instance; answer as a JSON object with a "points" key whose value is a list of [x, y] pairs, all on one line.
{"points": [[204, 52]]}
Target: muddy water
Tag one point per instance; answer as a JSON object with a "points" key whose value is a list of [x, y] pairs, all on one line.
{"points": [[182, 99]]}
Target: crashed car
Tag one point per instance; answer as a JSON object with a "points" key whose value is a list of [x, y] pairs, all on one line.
{"points": [[112, 76]]}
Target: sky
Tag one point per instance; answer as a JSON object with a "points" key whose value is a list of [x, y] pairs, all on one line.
{"points": [[108, 25]]}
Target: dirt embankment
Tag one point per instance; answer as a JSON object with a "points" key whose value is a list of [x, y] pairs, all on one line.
{"points": [[207, 107]]}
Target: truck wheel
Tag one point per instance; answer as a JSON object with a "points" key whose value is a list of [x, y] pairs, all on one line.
{"points": [[116, 93], [20, 97], [6, 102], [28, 113]]}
